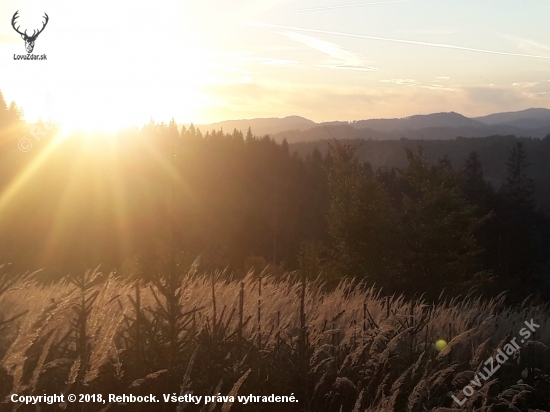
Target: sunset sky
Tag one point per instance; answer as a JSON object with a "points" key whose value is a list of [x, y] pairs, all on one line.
{"points": [[112, 64]]}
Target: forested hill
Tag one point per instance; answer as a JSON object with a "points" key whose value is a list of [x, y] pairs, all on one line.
{"points": [[351, 131], [435, 126], [493, 152]]}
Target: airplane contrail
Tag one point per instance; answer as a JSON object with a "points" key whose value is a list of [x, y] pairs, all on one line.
{"points": [[354, 5], [387, 39]]}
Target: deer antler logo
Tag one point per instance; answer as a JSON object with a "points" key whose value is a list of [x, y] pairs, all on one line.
{"points": [[29, 40]]}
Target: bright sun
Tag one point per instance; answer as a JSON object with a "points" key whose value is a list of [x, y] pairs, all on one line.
{"points": [[126, 76], [108, 106], [113, 105], [88, 118]]}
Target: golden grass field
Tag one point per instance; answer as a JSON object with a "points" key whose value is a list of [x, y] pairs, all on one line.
{"points": [[346, 349]]}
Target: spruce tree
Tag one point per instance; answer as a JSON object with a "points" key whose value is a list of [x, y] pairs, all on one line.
{"points": [[437, 243], [475, 189], [359, 219], [518, 224], [3, 110], [474, 169], [249, 135], [519, 188]]}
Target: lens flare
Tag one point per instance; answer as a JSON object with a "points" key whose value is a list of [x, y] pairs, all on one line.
{"points": [[440, 345]]}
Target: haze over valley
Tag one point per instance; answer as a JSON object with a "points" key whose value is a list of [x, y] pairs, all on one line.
{"points": [[437, 126]]}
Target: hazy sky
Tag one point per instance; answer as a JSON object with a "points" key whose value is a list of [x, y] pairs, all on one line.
{"points": [[112, 63]]}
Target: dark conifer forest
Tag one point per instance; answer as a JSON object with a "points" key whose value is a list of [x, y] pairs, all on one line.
{"points": [[241, 201], [350, 275]]}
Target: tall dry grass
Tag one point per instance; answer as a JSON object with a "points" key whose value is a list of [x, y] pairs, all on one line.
{"points": [[351, 348]]}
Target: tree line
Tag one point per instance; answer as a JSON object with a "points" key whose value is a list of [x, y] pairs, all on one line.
{"points": [[152, 199]]}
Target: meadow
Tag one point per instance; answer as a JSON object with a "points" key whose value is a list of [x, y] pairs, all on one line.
{"points": [[348, 348]]}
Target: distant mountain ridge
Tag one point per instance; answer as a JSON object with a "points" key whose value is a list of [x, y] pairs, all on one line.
{"points": [[533, 122], [540, 115], [262, 126], [416, 122]]}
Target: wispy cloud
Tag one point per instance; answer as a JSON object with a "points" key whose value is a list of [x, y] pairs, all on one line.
{"points": [[404, 82], [526, 45], [427, 31], [533, 89], [524, 84], [354, 5], [502, 98], [349, 67], [436, 86], [267, 60], [345, 59], [417, 84], [329, 102], [403, 41]]}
